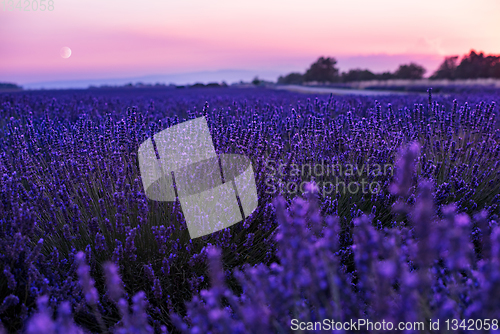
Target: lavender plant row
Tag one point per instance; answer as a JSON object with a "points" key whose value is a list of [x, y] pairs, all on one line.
{"points": [[82, 249]]}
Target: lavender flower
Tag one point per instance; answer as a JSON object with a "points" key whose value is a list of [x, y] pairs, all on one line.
{"points": [[113, 281], [86, 281], [69, 175]]}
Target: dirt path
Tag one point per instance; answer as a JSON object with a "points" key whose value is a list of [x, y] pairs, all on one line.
{"points": [[339, 91]]}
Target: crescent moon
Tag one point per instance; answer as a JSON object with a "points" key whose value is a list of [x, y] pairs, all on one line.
{"points": [[65, 52]]}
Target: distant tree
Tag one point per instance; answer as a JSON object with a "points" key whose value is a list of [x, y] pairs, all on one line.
{"points": [[212, 84], [410, 71], [384, 76], [447, 69], [472, 66], [495, 70], [358, 75], [323, 70], [8, 85], [290, 79], [256, 81], [476, 65]]}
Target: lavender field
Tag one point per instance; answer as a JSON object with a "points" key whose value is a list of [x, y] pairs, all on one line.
{"points": [[83, 250]]}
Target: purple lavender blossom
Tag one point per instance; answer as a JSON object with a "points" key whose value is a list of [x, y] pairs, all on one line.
{"points": [[69, 182]]}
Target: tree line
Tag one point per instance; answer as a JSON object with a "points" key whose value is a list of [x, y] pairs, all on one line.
{"points": [[472, 66]]}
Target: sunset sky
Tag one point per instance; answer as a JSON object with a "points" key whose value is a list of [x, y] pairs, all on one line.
{"points": [[124, 39]]}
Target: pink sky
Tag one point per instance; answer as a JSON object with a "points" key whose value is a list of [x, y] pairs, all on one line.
{"points": [[122, 38]]}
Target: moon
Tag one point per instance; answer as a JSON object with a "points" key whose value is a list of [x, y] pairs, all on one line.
{"points": [[65, 52]]}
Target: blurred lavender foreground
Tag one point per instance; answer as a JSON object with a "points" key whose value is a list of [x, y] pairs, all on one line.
{"points": [[83, 250]]}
